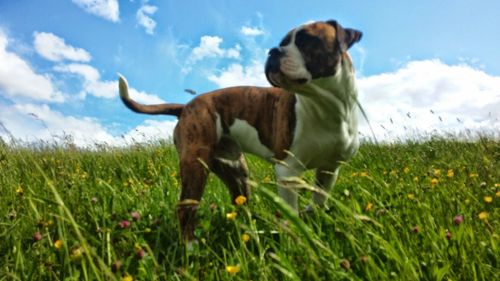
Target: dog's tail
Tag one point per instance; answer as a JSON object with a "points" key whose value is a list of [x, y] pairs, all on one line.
{"points": [[164, 108]]}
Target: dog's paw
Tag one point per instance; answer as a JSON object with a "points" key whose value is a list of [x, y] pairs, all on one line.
{"points": [[311, 209], [308, 210], [192, 245]]}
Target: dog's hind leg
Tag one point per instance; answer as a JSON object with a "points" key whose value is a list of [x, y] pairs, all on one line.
{"points": [[230, 166], [194, 169]]}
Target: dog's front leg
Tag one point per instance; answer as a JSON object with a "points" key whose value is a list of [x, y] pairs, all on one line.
{"points": [[325, 180], [284, 176]]}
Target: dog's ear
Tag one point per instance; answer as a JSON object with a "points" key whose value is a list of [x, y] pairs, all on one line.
{"points": [[346, 37]]}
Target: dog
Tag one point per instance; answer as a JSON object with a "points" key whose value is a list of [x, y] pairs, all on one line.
{"points": [[307, 120]]}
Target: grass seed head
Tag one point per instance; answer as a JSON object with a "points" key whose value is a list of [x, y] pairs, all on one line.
{"points": [[416, 229], [115, 267], [345, 264]]}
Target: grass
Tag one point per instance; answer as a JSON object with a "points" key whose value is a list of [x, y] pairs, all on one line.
{"points": [[108, 214]]}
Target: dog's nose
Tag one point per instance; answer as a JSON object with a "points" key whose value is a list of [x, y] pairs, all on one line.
{"points": [[273, 60], [273, 65], [274, 52]]}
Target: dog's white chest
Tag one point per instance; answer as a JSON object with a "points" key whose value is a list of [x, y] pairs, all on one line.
{"points": [[323, 138]]}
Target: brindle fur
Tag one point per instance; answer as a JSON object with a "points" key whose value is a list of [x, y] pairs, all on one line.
{"points": [[203, 133]]}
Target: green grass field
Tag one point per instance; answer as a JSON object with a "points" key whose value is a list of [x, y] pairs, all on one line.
{"points": [[409, 211]]}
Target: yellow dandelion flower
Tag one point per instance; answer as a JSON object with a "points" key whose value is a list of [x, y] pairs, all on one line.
{"points": [[368, 207], [483, 215], [497, 194], [411, 196], [497, 184], [434, 181], [266, 179], [450, 173], [233, 269], [473, 175], [406, 170], [240, 200], [58, 244], [127, 277], [231, 216], [363, 174], [488, 199], [20, 191], [245, 237], [437, 172], [77, 254]]}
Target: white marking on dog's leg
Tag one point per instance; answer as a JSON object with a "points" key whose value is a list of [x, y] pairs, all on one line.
{"points": [[289, 195], [191, 245], [325, 181]]}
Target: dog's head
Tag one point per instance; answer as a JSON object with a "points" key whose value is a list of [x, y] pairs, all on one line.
{"points": [[309, 52]]}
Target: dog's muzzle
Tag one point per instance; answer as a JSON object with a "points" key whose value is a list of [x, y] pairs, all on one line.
{"points": [[275, 70], [272, 70]]}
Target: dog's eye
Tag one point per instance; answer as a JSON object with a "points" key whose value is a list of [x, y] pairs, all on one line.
{"points": [[302, 38]]}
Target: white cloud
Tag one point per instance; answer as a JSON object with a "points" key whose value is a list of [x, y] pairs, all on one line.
{"points": [[55, 49], [89, 73], [93, 85], [19, 80], [29, 122], [35, 123], [107, 9], [428, 96], [237, 75], [251, 31], [151, 130], [210, 48], [144, 19], [144, 97]]}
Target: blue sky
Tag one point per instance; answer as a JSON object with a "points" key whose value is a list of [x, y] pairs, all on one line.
{"points": [[422, 66]]}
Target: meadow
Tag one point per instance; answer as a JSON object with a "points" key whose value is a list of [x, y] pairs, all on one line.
{"points": [[403, 211]]}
